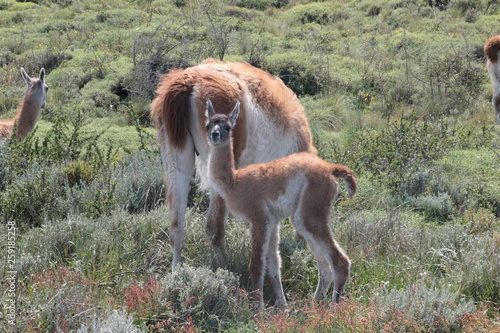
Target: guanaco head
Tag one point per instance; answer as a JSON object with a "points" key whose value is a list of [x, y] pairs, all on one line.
{"points": [[36, 87], [220, 125]]}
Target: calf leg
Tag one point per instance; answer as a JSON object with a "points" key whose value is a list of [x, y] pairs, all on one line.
{"points": [[260, 235], [325, 274], [318, 248], [338, 261], [215, 228], [274, 266], [341, 266]]}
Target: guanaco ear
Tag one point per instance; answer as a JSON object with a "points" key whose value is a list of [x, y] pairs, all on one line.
{"points": [[42, 74], [209, 112], [25, 75], [234, 114]]}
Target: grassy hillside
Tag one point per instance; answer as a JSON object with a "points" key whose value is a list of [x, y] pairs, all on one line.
{"points": [[397, 90]]}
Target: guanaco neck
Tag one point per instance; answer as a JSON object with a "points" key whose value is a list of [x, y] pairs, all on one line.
{"points": [[221, 168], [27, 113]]}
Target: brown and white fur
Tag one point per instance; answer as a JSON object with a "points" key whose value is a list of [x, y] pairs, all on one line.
{"points": [[29, 109], [272, 125], [491, 51], [301, 186]]}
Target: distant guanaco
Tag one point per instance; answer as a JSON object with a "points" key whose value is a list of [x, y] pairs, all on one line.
{"points": [[491, 51], [29, 109]]}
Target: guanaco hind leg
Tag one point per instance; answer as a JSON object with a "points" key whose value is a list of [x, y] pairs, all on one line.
{"points": [[178, 166]]}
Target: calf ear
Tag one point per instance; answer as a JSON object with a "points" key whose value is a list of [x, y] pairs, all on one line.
{"points": [[233, 116], [25, 75], [209, 112]]}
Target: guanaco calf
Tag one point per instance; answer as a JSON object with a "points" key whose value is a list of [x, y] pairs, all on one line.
{"points": [[300, 186]]}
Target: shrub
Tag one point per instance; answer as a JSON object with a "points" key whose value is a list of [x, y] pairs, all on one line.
{"points": [[480, 268], [399, 150], [139, 183], [115, 322], [451, 79], [434, 206], [143, 299], [153, 54], [261, 4], [319, 317], [441, 4], [5, 4], [299, 72], [479, 188], [5, 172], [99, 248], [255, 50], [212, 299], [436, 308], [79, 172], [67, 140], [48, 60], [376, 232], [478, 221], [101, 96], [33, 196], [320, 13], [59, 300]]}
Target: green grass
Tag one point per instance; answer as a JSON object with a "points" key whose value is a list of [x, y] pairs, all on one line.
{"points": [[397, 90]]}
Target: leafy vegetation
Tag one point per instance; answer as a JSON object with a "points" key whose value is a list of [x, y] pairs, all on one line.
{"points": [[397, 90]]}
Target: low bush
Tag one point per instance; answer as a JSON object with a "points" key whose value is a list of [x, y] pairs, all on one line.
{"points": [[478, 278], [139, 182], [115, 322], [451, 79], [298, 71], [399, 150], [479, 186], [257, 4], [435, 309], [436, 207], [213, 299], [101, 248], [416, 309], [79, 173], [33, 196], [320, 13], [60, 300]]}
